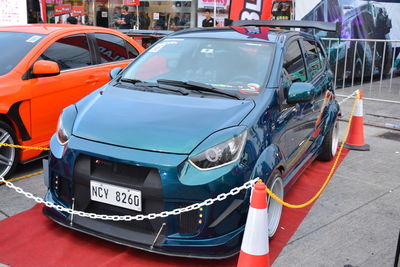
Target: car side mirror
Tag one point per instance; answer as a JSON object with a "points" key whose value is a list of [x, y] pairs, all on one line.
{"points": [[114, 72], [300, 93], [45, 68]]}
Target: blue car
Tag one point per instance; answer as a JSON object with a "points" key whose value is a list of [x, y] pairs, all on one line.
{"points": [[200, 112]]}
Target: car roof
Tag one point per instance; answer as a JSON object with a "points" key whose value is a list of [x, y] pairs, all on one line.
{"points": [[265, 34], [49, 28]]}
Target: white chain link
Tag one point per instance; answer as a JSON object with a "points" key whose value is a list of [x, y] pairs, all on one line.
{"points": [[347, 97], [140, 217]]}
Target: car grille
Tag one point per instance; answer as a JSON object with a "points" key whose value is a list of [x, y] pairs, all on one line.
{"points": [[147, 180], [62, 188], [189, 221]]}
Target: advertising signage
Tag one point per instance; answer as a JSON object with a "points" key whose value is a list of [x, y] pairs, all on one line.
{"points": [[131, 2], [13, 12]]}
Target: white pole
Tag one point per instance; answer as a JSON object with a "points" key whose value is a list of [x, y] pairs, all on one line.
{"points": [[137, 17], [215, 12]]}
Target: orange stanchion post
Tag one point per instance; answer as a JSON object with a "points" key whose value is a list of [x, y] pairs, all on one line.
{"points": [[255, 245], [355, 140]]}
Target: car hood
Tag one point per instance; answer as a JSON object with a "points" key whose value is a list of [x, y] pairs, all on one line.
{"points": [[155, 121]]}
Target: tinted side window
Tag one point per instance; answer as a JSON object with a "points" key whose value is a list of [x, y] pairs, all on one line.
{"points": [[111, 47], [294, 64], [321, 53], [69, 52], [313, 58], [132, 52]]}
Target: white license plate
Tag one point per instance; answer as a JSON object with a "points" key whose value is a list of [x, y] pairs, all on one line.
{"points": [[116, 195]]}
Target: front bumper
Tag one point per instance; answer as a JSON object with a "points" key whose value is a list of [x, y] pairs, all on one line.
{"points": [[211, 232]]}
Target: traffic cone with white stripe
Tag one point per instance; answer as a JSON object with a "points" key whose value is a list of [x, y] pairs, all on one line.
{"points": [[355, 140], [255, 247]]}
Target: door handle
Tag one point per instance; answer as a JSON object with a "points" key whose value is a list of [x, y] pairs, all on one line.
{"points": [[93, 80]]}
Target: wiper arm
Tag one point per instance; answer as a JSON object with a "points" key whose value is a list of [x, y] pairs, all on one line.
{"points": [[127, 80], [198, 86], [164, 87]]}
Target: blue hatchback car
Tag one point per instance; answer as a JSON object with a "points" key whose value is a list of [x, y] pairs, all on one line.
{"points": [[200, 112]]}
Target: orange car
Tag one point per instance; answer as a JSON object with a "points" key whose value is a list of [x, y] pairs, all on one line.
{"points": [[44, 68]]}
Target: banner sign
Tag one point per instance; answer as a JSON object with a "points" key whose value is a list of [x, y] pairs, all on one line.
{"points": [[209, 4], [131, 2], [257, 32], [78, 11], [372, 20], [13, 12], [55, 2], [250, 10], [57, 10], [65, 9]]}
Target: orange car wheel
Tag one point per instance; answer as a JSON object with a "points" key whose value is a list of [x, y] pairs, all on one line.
{"points": [[8, 155]]}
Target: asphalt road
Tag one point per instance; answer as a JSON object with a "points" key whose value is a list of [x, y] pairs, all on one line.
{"points": [[356, 221]]}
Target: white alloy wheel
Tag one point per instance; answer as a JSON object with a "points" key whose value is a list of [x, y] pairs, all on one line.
{"points": [[335, 138], [274, 207], [7, 154]]}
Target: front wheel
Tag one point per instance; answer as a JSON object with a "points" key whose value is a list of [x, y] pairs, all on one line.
{"points": [[275, 184], [330, 143], [8, 155]]}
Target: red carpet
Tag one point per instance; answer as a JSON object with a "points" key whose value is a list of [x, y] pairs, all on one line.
{"points": [[30, 239]]}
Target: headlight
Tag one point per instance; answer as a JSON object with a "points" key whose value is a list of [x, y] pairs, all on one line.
{"points": [[221, 154], [65, 124]]}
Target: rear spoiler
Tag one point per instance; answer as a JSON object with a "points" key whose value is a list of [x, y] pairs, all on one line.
{"points": [[324, 26]]}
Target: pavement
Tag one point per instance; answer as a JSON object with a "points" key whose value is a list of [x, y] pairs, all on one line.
{"points": [[355, 222]]}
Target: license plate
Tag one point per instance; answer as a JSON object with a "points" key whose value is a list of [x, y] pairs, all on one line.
{"points": [[116, 195]]}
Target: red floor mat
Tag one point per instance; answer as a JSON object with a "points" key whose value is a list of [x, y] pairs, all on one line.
{"points": [[30, 239]]}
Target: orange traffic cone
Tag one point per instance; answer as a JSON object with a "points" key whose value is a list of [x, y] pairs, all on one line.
{"points": [[255, 247], [355, 140]]}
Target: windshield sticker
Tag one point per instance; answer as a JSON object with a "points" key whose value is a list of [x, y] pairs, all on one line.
{"points": [[158, 47], [223, 85], [250, 89], [256, 44], [207, 51], [33, 39]]}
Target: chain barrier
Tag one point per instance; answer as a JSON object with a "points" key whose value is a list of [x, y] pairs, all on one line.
{"points": [[23, 177], [25, 147], [178, 211], [140, 217], [347, 97], [299, 206]]}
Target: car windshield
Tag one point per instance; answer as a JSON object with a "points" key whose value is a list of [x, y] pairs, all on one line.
{"points": [[14, 46], [229, 65]]}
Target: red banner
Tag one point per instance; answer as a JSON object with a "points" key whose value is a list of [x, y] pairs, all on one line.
{"points": [[57, 10], [250, 9], [78, 10], [257, 32], [65, 9], [131, 2]]}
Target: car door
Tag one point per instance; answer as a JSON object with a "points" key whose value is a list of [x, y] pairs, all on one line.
{"points": [[293, 120], [51, 94], [111, 51]]}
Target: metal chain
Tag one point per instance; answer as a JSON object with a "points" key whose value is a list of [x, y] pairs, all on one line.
{"points": [[140, 217], [348, 97], [25, 147]]}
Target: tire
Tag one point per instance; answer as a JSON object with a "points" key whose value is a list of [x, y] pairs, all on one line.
{"points": [[275, 184], [8, 155], [330, 143]]}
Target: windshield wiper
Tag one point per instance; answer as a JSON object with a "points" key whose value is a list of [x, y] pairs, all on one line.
{"points": [[198, 86], [133, 81], [141, 83], [164, 87]]}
